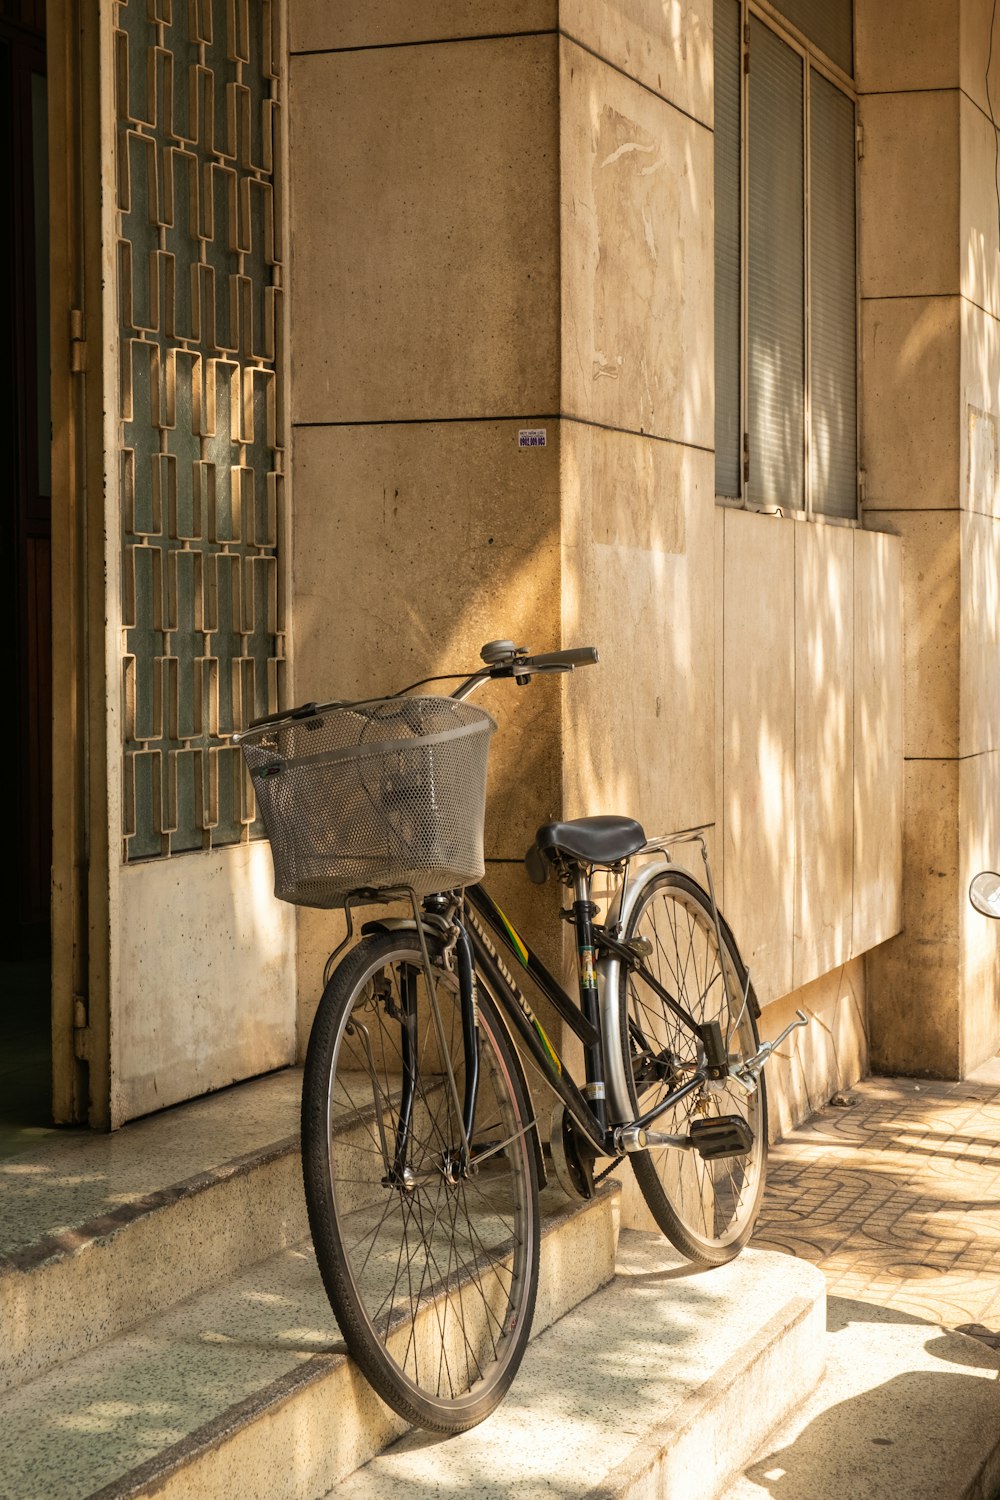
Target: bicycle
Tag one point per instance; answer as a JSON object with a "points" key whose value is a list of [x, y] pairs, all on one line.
{"points": [[422, 1155]]}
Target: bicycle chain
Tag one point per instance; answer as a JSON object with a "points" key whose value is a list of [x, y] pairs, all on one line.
{"points": [[619, 1161]]}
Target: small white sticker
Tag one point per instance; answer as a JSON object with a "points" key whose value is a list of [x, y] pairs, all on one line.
{"points": [[531, 437]]}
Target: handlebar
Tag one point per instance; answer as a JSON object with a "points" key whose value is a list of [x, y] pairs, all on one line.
{"points": [[504, 659], [501, 658]]}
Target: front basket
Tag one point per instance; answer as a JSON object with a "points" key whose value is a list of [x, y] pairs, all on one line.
{"points": [[373, 796]]}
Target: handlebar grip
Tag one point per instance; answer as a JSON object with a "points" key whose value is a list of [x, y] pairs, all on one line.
{"points": [[576, 656]]}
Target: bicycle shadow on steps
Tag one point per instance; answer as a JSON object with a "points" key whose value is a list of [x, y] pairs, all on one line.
{"points": [[906, 1408]]}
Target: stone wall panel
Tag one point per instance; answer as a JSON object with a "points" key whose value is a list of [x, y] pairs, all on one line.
{"points": [[980, 396], [668, 48], [415, 544], [979, 935], [824, 749], [878, 740], [425, 225], [908, 192], [638, 555], [319, 26], [637, 256], [913, 980], [911, 351], [759, 745], [921, 54]]}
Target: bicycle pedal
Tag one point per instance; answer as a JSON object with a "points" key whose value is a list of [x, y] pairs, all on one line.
{"points": [[720, 1136]]}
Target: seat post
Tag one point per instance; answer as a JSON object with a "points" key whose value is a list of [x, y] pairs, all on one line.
{"points": [[584, 912]]}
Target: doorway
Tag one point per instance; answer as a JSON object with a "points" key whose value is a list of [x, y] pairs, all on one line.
{"points": [[25, 589]]}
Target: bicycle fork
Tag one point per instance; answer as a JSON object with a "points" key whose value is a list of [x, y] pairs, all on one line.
{"points": [[455, 1158]]}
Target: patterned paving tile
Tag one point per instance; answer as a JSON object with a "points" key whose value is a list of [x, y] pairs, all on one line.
{"points": [[897, 1197]]}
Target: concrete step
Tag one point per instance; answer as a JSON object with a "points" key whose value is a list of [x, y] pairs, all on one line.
{"points": [[99, 1232], [657, 1388], [246, 1389], [906, 1408]]}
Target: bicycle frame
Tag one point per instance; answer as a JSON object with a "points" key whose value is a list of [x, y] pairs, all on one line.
{"points": [[587, 1107]]}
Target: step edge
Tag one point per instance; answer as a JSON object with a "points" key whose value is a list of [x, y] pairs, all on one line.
{"points": [[158, 1469], [106, 1226], [50, 1318], [149, 1477], [625, 1480]]}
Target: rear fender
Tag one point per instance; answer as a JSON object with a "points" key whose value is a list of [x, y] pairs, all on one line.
{"points": [[609, 987]]}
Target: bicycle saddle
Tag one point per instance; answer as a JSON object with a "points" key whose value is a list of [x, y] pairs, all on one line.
{"points": [[591, 841]]}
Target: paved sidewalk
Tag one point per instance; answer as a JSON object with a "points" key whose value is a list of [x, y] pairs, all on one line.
{"points": [[894, 1192]]}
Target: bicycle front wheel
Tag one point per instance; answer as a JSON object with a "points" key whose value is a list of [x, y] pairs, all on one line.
{"points": [[431, 1269], [706, 1208]]}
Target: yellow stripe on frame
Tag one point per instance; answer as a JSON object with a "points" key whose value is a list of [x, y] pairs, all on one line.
{"points": [[519, 947]]}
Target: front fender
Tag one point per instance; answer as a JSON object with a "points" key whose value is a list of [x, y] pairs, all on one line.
{"points": [[433, 925]]}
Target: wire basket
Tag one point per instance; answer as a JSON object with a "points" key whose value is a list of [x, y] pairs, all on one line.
{"points": [[373, 796]]}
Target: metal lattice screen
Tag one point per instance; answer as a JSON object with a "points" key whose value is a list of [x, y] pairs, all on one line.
{"points": [[197, 94]]}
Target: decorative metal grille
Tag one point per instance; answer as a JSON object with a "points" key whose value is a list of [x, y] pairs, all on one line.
{"points": [[197, 90]]}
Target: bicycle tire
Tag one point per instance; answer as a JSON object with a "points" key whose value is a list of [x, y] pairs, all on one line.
{"points": [[706, 1208], [433, 1284]]}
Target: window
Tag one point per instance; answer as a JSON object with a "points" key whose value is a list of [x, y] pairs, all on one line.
{"points": [[785, 258]]}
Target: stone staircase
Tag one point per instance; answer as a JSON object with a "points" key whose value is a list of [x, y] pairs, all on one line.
{"points": [[165, 1332]]}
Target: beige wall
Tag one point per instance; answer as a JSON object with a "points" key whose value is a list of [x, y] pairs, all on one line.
{"points": [[517, 230], [931, 300], [810, 782], [468, 215], [811, 795], [637, 473], [425, 298]]}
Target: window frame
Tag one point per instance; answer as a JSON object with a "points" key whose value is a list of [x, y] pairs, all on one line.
{"points": [[812, 58]]}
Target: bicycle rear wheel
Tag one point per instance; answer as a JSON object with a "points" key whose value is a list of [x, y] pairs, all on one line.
{"points": [[706, 1208], [432, 1273]]}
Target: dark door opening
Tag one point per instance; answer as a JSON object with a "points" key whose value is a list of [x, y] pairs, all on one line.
{"points": [[25, 589]]}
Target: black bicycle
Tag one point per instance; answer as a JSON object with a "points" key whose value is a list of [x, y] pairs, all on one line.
{"points": [[422, 1153]]}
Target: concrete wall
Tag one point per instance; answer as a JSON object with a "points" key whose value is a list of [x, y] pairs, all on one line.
{"points": [[931, 299], [811, 789], [516, 230]]}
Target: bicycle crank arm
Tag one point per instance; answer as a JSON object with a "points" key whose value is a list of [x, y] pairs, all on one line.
{"points": [[748, 1073], [634, 1138]]}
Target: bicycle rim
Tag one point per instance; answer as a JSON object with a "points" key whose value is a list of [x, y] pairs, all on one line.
{"points": [[706, 1208], [431, 1274]]}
